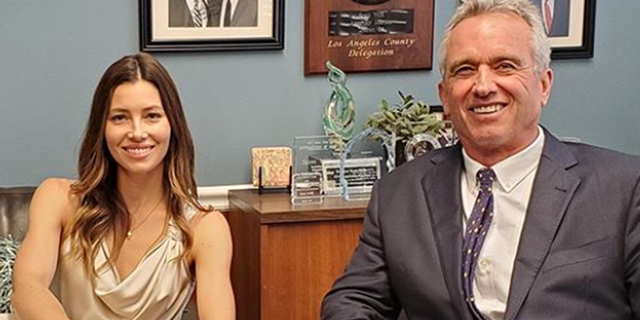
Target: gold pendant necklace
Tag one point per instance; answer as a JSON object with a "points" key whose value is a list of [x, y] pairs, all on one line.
{"points": [[131, 230]]}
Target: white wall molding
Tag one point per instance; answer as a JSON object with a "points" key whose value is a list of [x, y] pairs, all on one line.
{"points": [[216, 196]]}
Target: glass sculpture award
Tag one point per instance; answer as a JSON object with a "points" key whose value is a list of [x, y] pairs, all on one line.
{"points": [[339, 112]]}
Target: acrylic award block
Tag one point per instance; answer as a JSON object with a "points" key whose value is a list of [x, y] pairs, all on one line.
{"points": [[306, 152], [306, 188], [356, 173], [360, 173], [307, 169]]}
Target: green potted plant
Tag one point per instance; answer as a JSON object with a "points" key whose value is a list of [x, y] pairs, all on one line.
{"points": [[405, 120]]}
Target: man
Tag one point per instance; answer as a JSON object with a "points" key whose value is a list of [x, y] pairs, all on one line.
{"points": [[555, 16], [551, 230]]}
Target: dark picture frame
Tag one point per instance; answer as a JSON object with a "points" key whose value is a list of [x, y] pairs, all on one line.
{"points": [[159, 31], [577, 19], [368, 35]]}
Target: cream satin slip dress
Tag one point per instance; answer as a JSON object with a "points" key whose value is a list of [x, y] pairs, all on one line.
{"points": [[158, 288]]}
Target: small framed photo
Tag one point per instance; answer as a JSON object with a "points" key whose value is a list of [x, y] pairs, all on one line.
{"points": [[570, 25], [271, 166], [211, 25]]}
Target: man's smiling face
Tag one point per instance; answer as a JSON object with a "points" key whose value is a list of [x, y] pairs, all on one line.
{"points": [[491, 89]]}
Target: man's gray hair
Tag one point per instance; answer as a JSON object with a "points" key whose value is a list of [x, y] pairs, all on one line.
{"points": [[523, 8]]}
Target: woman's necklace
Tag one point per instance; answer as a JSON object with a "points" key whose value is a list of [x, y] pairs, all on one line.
{"points": [[131, 230]]}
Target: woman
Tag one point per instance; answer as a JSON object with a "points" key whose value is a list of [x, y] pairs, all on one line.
{"points": [[129, 238]]}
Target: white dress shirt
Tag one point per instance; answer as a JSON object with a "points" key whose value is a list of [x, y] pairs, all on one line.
{"points": [[511, 193]]}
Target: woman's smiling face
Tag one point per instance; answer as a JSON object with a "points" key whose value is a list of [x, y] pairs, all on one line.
{"points": [[137, 131]]}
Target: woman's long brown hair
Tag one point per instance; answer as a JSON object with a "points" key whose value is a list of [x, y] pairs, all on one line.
{"points": [[102, 209]]}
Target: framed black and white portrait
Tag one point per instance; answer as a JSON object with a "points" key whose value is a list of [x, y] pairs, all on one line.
{"points": [[211, 25], [570, 25]]}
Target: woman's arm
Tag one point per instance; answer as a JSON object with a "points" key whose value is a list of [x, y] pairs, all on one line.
{"points": [[37, 258], [212, 251]]}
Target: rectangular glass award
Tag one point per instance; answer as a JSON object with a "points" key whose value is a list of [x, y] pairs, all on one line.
{"points": [[360, 175], [307, 188], [307, 151]]}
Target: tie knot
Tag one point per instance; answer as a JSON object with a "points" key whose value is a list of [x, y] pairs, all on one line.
{"points": [[485, 177]]}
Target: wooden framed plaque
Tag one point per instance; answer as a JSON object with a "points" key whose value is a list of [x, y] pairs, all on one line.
{"points": [[368, 35]]}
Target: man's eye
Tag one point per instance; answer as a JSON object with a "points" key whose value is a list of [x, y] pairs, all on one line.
{"points": [[462, 71], [506, 66]]}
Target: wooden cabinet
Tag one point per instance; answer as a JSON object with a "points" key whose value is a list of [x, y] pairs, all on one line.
{"points": [[287, 257]]}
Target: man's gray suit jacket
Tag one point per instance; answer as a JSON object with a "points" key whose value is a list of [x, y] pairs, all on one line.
{"points": [[578, 257]]}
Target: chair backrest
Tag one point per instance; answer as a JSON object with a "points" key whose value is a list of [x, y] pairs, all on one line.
{"points": [[14, 211]]}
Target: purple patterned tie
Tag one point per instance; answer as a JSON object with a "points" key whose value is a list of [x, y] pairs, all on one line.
{"points": [[475, 233]]}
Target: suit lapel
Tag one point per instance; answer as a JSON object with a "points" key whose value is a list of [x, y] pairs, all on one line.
{"points": [[442, 192], [552, 192]]}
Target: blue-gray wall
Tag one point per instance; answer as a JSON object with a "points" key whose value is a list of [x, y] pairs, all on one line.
{"points": [[53, 52]]}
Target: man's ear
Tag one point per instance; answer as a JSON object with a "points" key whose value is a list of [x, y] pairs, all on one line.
{"points": [[546, 82], [443, 98]]}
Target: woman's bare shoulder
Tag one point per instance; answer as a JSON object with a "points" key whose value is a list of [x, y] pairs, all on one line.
{"points": [[207, 222], [55, 195], [210, 228], [56, 184], [211, 238]]}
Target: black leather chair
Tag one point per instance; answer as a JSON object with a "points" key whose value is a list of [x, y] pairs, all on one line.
{"points": [[14, 211]]}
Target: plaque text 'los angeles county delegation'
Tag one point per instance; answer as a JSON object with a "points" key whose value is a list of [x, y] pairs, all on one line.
{"points": [[369, 35]]}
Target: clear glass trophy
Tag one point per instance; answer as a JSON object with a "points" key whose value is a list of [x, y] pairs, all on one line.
{"points": [[358, 174], [308, 153], [306, 188]]}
